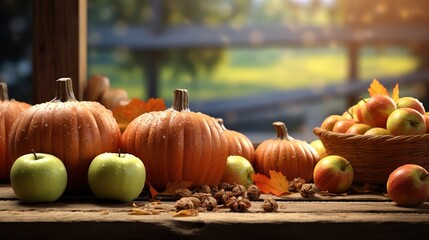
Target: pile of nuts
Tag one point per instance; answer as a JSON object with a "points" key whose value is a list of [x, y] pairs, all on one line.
{"points": [[233, 196]]}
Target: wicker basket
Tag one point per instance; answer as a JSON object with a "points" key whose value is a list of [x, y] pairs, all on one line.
{"points": [[374, 157]]}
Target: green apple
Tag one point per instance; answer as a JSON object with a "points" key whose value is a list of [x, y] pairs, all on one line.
{"points": [[406, 121], [238, 170], [38, 177], [116, 176]]}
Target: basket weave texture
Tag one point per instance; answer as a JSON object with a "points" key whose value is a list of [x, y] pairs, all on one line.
{"points": [[373, 158]]}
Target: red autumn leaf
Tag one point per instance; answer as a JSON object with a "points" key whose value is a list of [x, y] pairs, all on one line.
{"points": [[171, 188], [276, 184], [136, 107]]}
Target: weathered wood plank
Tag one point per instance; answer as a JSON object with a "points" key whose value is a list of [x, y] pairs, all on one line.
{"points": [[307, 220], [85, 217], [6, 193], [12, 207]]}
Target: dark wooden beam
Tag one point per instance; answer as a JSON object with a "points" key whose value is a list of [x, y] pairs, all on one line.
{"points": [[59, 46]]}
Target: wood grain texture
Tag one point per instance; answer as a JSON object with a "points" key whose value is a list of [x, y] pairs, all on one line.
{"points": [[59, 46], [85, 217]]}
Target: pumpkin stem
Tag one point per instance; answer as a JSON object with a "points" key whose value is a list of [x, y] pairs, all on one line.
{"points": [[220, 121], [3, 92], [181, 100], [64, 91], [281, 130]]}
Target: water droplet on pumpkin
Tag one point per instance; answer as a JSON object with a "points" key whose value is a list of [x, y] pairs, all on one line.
{"points": [[46, 125]]}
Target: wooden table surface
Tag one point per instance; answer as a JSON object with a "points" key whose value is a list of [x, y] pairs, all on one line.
{"points": [[355, 216]]}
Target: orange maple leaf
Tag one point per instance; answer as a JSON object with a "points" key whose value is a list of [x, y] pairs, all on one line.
{"points": [[395, 93], [377, 88], [171, 188], [136, 107], [276, 184]]}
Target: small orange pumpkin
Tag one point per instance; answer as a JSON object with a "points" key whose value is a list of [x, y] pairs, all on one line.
{"points": [[178, 144], [238, 143], [74, 131], [294, 158], [9, 111]]}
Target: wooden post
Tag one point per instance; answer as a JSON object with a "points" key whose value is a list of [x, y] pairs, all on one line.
{"points": [[59, 46], [353, 68]]}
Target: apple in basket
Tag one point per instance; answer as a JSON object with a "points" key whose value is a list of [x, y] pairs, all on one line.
{"points": [[329, 122], [408, 185], [358, 128], [376, 131], [411, 102], [341, 126], [427, 122], [377, 109], [406, 121]]}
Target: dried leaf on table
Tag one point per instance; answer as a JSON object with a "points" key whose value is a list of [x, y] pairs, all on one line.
{"points": [[276, 184], [139, 211], [171, 188], [186, 213], [136, 107], [328, 194]]}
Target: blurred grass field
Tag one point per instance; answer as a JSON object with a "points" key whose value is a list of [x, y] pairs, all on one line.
{"points": [[246, 71]]}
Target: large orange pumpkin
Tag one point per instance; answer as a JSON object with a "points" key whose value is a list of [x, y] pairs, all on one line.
{"points": [[238, 143], [74, 131], [178, 144], [9, 111], [294, 158]]}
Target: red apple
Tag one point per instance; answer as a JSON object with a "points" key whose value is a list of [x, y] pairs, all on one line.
{"points": [[329, 122], [408, 185], [333, 174], [358, 128], [410, 102], [406, 121], [377, 109], [342, 125], [376, 131]]}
